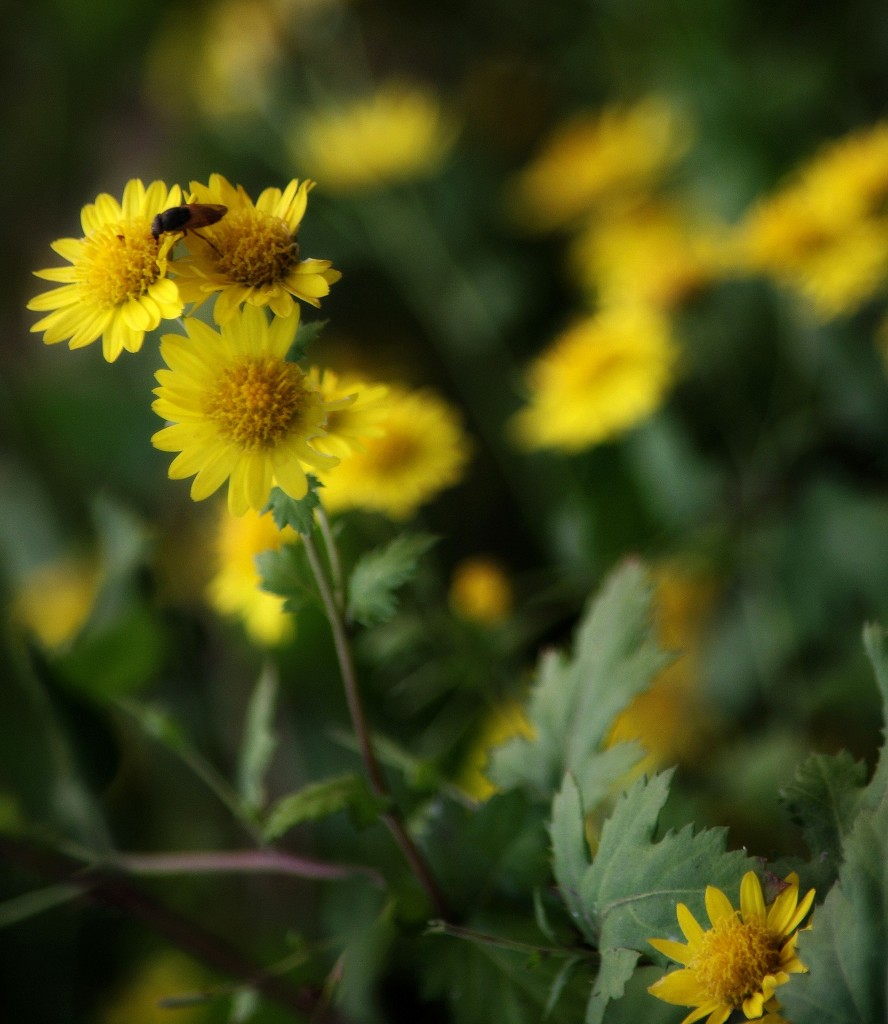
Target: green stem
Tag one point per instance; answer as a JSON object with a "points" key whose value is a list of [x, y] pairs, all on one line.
{"points": [[378, 785], [332, 557]]}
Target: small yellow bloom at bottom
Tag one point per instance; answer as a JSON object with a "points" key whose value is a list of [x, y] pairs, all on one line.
{"points": [[739, 962]]}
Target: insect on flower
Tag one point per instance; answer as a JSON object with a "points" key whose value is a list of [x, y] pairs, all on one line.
{"points": [[188, 217]]}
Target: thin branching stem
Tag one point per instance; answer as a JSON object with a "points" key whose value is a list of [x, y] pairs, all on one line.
{"points": [[375, 776]]}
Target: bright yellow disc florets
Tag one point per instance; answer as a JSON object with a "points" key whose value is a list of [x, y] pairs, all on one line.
{"points": [[254, 248], [734, 958], [257, 404], [120, 262]]}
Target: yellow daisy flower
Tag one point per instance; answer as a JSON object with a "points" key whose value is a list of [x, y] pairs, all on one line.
{"points": [[422, 449], [602, 376], [397, 134], [236, 588], [116, 287], [596, 157], [741, 960], [651, 253], [824, 233], [348, 426], [239, 411], [251, 255]]}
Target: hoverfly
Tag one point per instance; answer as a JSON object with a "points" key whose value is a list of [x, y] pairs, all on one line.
{"points": [[188, 217]]}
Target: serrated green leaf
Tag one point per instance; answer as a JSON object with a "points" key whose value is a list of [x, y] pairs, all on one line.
{"points": [[320, 800], [627, 895], [846, 949], [306, 334], [298, 515], [875, 643], [615, 970], [634, 883], [259, 740], [379, 573], [823, 798], [575, 700], [286, 572]]}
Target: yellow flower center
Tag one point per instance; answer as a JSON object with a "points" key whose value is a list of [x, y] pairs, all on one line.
{"points": [[253, 248], [733, 960], [120, 262], [394, 452], [257, 404]]}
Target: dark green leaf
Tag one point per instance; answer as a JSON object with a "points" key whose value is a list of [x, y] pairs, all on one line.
{"points": [[298, 515], [379, 573], [259, 741], [575, 700], [320, 800], [823, 799], [306, 334], [286, 572], [846, 949]]}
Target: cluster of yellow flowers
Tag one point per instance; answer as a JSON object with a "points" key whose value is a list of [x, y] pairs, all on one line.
{"points": [[636, 258], [639, 251], [238, 408]]}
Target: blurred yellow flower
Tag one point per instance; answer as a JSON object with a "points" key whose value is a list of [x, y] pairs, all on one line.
{"points": [[421, 450], [349, 425], [504, 722], [650, 253], [239, 411], [251, 255], [240, 49], [598, 379], [166, 975], [480, 590], [397, 134], [670, 719], [54, 600], [116, 287], [824, 234], [595, 158], [235, 589]]}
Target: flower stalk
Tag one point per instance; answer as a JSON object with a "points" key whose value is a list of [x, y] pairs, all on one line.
{"points": [[376, 779]]}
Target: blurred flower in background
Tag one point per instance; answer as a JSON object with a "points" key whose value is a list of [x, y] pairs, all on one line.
{"points": [[597, 158], [235, 589], [599, 378], [480, 590], [418, 448], [348, 426], [54, 600], [167, 975], [648, 253], [506, 721], [399, 133], [824, 233]]}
